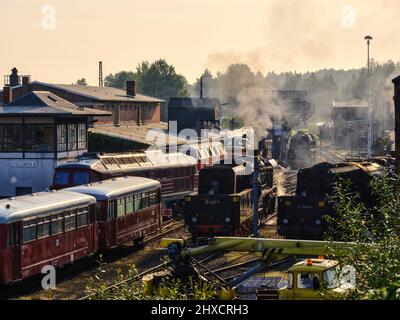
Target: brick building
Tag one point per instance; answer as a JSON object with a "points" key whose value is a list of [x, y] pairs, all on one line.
{"points": [[127, 106]]}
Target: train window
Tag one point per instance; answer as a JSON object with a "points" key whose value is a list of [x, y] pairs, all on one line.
{"points": [[57, 223], [61, 178], [29, 231], [82, 218], [43, 227], [153, 198], [11, 235], [80, 178], [121, 207], [145, 200], [138, 202], [70, 221], [129, 205], [111, 210]]}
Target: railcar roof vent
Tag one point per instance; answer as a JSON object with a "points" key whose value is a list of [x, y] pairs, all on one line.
{"points": [[8, 206]]}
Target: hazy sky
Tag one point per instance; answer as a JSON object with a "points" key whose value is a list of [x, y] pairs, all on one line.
{"points": [[66, 43]]}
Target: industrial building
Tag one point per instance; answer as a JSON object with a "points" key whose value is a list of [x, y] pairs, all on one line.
{"points": [[127, 107], [194, 113]]}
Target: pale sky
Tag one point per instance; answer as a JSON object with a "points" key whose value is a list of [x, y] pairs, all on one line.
{"points": [[192, 35]]}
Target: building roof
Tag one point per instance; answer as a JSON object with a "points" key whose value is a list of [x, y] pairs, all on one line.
{"points": [[112, 188], [40, 204], [100, 93], [47, 103], [178, 103]]}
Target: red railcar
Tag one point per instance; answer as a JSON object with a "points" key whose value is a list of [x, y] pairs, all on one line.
{"points": [[46, 228], [128, 208], [176, 171]]}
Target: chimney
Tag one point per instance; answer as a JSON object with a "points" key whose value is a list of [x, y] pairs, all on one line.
{"points": [[396, 98], [131, 88], [25, 84], [14, 77], [7, 95], [117, 117]]}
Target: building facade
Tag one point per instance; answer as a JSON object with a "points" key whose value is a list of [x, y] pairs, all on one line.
{"points": [[127, 107], [37, 132]]}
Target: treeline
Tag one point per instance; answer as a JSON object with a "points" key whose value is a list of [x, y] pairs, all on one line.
{"points": [[161, 80]]}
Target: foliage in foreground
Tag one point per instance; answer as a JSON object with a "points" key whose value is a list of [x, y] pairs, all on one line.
{"points": [[129, 287], [375, 233]]}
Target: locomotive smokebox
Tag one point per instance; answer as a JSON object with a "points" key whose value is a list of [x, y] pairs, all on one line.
{"points": [[396, 82]]}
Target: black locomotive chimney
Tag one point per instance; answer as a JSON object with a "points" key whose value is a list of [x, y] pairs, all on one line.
{"points": [[131, 88], [14, 77], [396, 98]]}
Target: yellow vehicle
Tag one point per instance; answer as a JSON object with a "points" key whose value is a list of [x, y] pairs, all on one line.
{"points": [[313, 279], [307, 279]]}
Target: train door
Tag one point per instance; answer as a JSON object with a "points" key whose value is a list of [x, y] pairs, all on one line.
{"points": [[14, 245], [112, 216]]}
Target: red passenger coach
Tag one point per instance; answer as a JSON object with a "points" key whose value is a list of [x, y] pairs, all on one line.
{"points": [[46, 228], [176, 171], [128, 209]]}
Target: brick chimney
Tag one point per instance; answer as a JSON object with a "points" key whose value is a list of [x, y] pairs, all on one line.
{"points": [[25, 84], [396, 98], [131, 88], [7, 95]]}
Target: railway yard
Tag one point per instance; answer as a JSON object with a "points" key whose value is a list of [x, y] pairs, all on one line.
{"points": [[222, 267]]}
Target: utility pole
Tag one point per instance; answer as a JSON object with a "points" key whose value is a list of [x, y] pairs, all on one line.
{"points": [[369, 138], [256, 187], [100, 73]]}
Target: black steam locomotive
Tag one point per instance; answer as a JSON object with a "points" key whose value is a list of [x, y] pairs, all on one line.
{"points": [[301, 216], [302, 150], [224, 203]]}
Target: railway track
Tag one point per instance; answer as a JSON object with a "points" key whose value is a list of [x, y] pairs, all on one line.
{"points": [[213, 264], [73, 279]]}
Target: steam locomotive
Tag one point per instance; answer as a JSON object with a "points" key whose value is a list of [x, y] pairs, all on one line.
{"points": [[302, 216], [302, 150], [224, 203]]}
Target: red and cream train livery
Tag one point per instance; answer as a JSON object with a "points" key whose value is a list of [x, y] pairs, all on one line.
{"points": [[60, 227]]}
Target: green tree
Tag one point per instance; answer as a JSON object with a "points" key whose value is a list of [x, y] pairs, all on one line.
{"points": [[81, 82], [159, 79], [374, 232], [119, 79]]}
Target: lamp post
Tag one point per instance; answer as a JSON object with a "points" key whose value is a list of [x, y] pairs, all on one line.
{"points": [[369, 137]]}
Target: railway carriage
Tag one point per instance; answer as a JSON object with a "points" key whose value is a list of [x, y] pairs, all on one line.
{"points": [[128, 209], [45, 228], [175, 171]]}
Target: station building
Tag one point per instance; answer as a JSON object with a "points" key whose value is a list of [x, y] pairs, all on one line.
{"points": [[127, 107], [38, 131]]}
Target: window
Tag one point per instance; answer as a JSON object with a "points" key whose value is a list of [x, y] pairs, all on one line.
{"points": [[11, 235], [305, 280], [290, 281], [111, 210], [153, 198], [43, 227], [30, 231], [10, 138], [57, 223], [121, 207], [20, 191], [130, 205], [39, 138], [82, 218], [80, 178], [70, 220], [138, 202], [81, 136], [71, 137], [61, 137], [145, 200], [331, 278], [61, 178]]}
